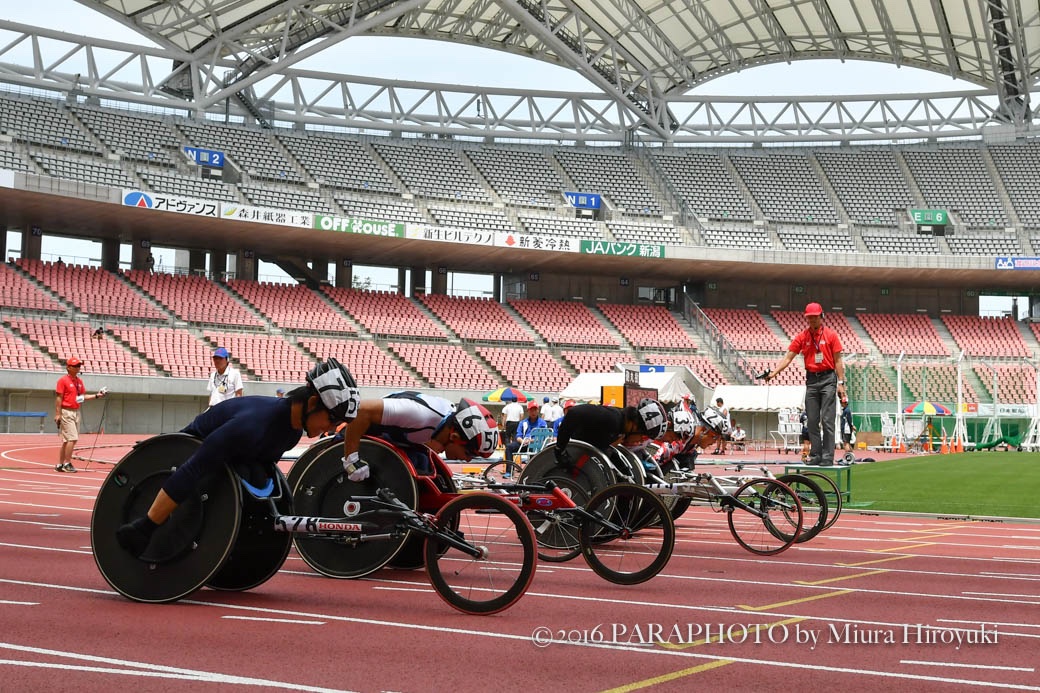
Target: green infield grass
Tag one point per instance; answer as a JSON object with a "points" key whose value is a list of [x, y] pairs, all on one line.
{"points": [[1000, 484]]}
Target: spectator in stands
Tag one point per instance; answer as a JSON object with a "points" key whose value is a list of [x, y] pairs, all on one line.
{"points": [[848, 429], [523, 430], [70, 393], [821, 349], [720, 406], [249, 433], [603, 426], [150, 262], [99, 333], [512, 413], [418, 423], [225, 381]]}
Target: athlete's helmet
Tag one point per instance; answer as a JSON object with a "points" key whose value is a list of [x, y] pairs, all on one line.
{"points": [[477, 426], [715, 420], [654, 417], [683, 422], [336, 388]]}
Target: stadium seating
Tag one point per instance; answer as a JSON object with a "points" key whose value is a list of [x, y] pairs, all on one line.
{"points": [[472, 218], [93, 170], [1016, 383], [935, 382], [564, 322], [268, 357], [379, 208], [817, 240], [956, 180], [636, 232], [18, 354], [61, 339], [983, 243], [18, 292], [44, 122], [12, 161], [338, 162], [370, 365], [982, 336], [648, 327], [1016, 165], [745, 329], [432, 171], [868, 182], [704, 184], [176, 351], [785, 187], [870, 381], [170, 183], [893, 242], [596, 361], [385, 313], [736, 236], [531, 370], [292, 306], [612, 174], [794, 374], [254, 151], [476, 319], [93, 290], [520, 177], [195, 299], [296, 197], [897, 333], [133, 136], [445, 365]]}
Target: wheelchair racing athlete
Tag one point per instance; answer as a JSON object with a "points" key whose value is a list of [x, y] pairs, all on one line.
{"points": [[250, 434], [691, 431], [418, 423], [602, 426]]}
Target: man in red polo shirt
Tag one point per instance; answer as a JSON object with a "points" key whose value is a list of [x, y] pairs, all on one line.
{"points": [[69, 394], [821, 349]]}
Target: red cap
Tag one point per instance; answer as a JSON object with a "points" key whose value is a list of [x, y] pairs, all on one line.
{"points": [[532, 404], [814, 309], [73, 362], [568, 404]]}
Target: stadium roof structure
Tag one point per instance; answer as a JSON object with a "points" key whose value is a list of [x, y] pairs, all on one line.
{"points": [[649, 60]]}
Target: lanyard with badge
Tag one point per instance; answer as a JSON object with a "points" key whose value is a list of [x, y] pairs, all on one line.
{"points": [[818, 358]]}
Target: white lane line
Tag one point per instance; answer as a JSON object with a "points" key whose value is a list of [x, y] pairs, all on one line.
{"points": [[965, 666], [275, 620], [10, 603]]}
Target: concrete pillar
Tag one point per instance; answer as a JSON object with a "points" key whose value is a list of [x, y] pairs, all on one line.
{"points": [[110, 254], [402, 280], [496, 289], [218, 264], [246, 265], [418, 281], [197, 261], [439, 281], [345, 273], [140, 251], [32, 242]]}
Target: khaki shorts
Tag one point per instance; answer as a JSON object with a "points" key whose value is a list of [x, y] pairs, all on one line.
{"points": [[69, 427]]}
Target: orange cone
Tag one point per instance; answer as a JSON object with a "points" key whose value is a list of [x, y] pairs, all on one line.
{"points": [[902, 446], [944, 449], [960, 445]]}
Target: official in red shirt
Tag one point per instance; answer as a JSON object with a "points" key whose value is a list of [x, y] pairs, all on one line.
{"points": [[70, 393], [821, 350]]}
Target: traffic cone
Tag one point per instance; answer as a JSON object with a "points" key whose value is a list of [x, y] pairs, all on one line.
{"points": [[902, 446], [944, 449], [960, 445], [895, 444]]}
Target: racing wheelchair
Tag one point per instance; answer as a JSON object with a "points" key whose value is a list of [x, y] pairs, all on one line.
{"points": [[236, 529]]}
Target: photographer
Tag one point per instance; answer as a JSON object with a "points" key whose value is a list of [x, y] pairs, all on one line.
{"points": [[70, 393]]}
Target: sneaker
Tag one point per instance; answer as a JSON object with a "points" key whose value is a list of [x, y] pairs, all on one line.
{"points": [[59, 467], [67, 467]]}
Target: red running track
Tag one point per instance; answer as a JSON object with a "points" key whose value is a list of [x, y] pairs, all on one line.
{"points": [[916, 604]]}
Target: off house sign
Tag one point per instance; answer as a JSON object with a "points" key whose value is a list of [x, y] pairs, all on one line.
{"points": [[624, 249], [362, 226]]}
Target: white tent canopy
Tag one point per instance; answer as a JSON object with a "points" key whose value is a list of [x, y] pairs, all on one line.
{"points": [[670, 386], [759, 397]]}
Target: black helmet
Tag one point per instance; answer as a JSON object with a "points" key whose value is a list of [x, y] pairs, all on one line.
{"points": [[336, 388]]}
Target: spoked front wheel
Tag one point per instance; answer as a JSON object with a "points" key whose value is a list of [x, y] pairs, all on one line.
{"points": [[631, 536], [835, 501], [502, 472], [482, 557], [764, 515], [815, 507]]}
